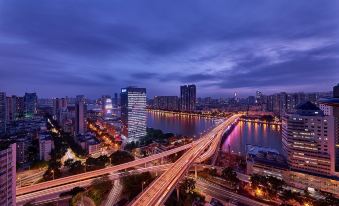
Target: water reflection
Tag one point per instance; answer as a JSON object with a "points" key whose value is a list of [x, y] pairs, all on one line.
{"points": [[178, 124], [252, 133]]}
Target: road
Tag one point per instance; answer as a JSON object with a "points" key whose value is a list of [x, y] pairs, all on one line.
{"points": [[96, 173], [52, 193], [223, 194], [113, 196], [158, 191]]}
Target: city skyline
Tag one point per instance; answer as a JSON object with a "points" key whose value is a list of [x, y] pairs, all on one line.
{"points": [[223, 48]]}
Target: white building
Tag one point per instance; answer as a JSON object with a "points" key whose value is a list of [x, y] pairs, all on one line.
{"points": [[133, 112], [7, 174], [328, 110], [307, 136], [46, 144]]}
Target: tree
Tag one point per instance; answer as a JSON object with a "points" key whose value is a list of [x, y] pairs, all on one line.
{"points": [[213, 172], [230, 176], [120, 157], [68, 163], [188, 185], [132, 185], [76, 167], [99, 189]]}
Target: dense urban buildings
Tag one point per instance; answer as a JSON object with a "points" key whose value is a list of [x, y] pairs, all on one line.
{"points": [[7, 174], [31, 104], [166, 103], [3, 109], [133, 112], [188, 97]]}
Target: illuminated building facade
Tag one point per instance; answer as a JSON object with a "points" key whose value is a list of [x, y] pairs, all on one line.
{"points": [[188, 95], [7, 174], [306, 136], [166, 103], [106, 102], [133, 112]]}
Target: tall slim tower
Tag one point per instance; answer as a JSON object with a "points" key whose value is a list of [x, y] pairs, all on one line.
{"points": [[80, 115], [133, 112], [188, 97]]}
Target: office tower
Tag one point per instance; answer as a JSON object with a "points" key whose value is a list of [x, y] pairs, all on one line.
{"points": [[306, 138], [7, 174], [133, 112], [166, 103], [3, 112], [31, 103], [187, 97], [80, 115]]}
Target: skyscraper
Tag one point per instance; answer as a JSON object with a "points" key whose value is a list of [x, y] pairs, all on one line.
{"points": [[31, 104], [80, 115], [133, 112], [3, 112], [306, 138], [187, 97], [7, 174]]}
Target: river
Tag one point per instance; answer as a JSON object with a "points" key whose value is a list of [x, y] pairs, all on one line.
{"points": [[243, 134]]}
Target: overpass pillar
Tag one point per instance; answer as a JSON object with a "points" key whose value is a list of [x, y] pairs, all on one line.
{"points": [[178, 193]]}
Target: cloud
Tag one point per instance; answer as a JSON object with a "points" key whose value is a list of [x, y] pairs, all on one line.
{"points": [[220, 45]]}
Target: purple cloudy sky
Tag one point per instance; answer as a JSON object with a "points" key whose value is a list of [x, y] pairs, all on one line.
{"points": [[71, 47]]}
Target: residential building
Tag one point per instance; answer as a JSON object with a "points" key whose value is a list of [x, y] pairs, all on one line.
{"points": [[188, 98], [306, 138], [166, 103], [133, 112], [31, 104], [7, 174], [46, 144], [80, 116], [3, 112]]}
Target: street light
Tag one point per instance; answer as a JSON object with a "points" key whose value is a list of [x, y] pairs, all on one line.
{"points": [[142, 186]]}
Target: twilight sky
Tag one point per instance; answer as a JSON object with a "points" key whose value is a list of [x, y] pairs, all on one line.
{"points": [[70, 47]]}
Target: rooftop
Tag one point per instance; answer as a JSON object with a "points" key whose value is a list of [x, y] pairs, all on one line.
{"points": [[307, 106]]}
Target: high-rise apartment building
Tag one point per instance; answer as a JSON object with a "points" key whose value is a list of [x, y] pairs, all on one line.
{"points": [[133, 112], [7, 174], [31, 104], [3, 113], [334, 104], [166, 103], [187, 97], [80, 115], [306, 138]]}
